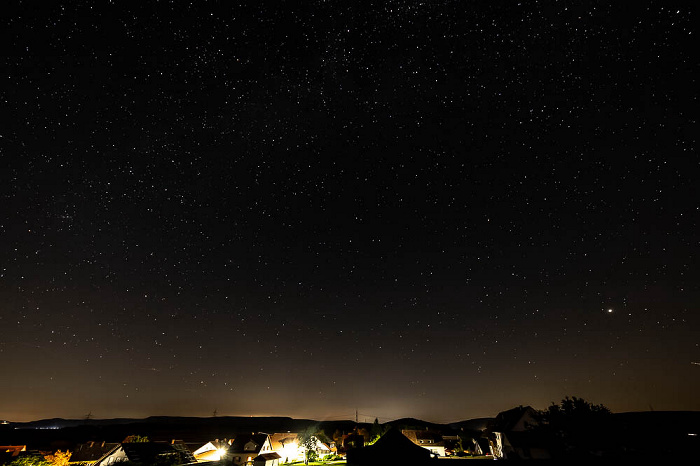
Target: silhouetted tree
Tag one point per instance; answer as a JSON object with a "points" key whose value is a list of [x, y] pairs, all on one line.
{"points": [[60, 458], [376, 431], [576, 427], [308, 441], [323, 437]]}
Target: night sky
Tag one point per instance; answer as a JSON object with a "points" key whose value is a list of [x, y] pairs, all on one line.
{"points": [[438, 209]]}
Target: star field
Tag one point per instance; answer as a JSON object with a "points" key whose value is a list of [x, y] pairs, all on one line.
{"points": [[428, 209]]}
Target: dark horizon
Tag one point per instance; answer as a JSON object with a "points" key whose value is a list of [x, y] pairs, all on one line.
{"points": [[365, 420], [436, 210]]}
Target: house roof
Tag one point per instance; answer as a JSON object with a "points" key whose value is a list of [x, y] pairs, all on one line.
{"points": [[208, 455], [9, 452], [239, 443], [145, 452], [92, 451], [209, 446], [507, 421], [194, 446], [278, 440], [392, 447], [14, 449]]}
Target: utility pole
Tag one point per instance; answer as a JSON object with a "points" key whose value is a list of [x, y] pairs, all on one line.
{"points": [[355, 415]]}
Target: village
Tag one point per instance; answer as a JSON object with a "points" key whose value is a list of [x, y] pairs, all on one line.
{"points": [[505, 436], [522, 433]]}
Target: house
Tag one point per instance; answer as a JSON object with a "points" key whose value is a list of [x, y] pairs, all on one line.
{"points": [[321, 448], [212, 451], [517, 419], [89, 453], [392, 448], [246, 447], [186, 445], [287, 446], [430, 440], [146, 453], [511, 435], [267, 459]]}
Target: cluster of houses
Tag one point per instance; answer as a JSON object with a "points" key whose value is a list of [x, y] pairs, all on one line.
{"points": [[254, 449], [262, 449], [506, 436]]}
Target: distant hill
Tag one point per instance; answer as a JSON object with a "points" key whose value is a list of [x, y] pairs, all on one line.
{"points": [[412, 423], [683, 420], [44, 433], [243, 422], [474, 425], [60, 423]]}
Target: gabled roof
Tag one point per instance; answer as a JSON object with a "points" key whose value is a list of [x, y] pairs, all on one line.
{"points": [[395, 439], [423, 437], [148, 452], [210, 451], [13, 448], [92, 451], [239, 443], [211, 445], [9, 452], [514, 419], [392, 448]]}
